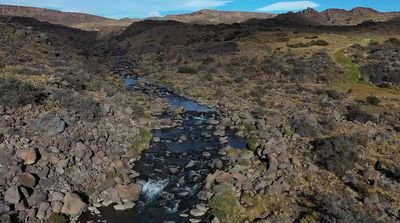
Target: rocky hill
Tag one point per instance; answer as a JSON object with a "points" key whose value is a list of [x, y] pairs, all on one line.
{"points": [[216, 17], [336, 16], [51, 16]]}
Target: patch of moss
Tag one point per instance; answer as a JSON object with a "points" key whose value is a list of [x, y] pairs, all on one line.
{"points": [[143, 140], [253, 142], [57, 218], [310, 218], [225, 205]]}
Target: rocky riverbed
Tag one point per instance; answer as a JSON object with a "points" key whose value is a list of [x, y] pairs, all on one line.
{"points": [[187, 146]]}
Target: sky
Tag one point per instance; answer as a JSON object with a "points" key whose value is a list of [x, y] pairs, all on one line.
{"points": [[145, 8]]}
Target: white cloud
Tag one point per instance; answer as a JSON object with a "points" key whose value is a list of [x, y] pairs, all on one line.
{"points": [[154, 14], [289, 6], [122, 8]]}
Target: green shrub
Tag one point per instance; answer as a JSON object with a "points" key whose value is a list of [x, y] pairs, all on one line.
{"points": [[238, 80], [187, 70], [57, 218], [309, 44], [373, 100], [258, 91], [225, 205], [85, 105], [355, 113], [14, 92], [142, 141], [339, 153]]}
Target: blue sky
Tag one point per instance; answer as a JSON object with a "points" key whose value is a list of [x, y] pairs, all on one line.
{"points": [[145, 8]]}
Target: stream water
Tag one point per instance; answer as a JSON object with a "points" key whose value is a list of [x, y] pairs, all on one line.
{"points": [[174, 165]]}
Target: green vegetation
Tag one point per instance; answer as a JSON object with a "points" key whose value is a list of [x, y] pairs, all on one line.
{"points": [[351, 70], [309, 44], [373, 100], [142, 141], [57, 218], [14, 92], [225, 204], [252, 142], [187, 70]]}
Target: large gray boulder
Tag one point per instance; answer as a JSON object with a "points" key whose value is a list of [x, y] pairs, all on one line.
{"points": [[49, 124]]}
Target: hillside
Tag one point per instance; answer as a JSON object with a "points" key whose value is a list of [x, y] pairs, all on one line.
{"points": [[217, 17], [339, 17], [51, 16]]}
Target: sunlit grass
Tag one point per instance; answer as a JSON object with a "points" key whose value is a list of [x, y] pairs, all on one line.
{"points": [[351, 69]]}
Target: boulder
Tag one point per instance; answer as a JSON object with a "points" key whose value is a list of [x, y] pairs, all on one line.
{"points": [[125, 206], [57, 196], [306, 125], [4, 208], [28, 155], [223, 177], [183, 193], [82, 151], [73, 205], [12, 195], [197, 213], [27, 180], [49, 124], [36, 198], [129, 192]]}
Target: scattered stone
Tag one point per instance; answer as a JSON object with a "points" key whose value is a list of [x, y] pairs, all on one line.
{"points": [[27, 180], [215, 220], [224, 177], [57, 196], [4, 208], [204, 195], [125, 206], [202, 207], [36, 198], [206, 154], [28, 155], [129, 192], [174, 170], [12, 195], [73, 205], [82, 151], [50, 124], [192, 163], [183, 193]]}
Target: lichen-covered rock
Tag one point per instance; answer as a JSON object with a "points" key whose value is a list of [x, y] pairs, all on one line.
{"points": [[49, 124]]}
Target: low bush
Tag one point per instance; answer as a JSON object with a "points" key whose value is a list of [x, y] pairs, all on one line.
{"points": [[355, 113], [57, 218], [339, 153], [187, 70], [14, 92], [84, 105], [309, 44], [258, 91], [373, 100]]}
